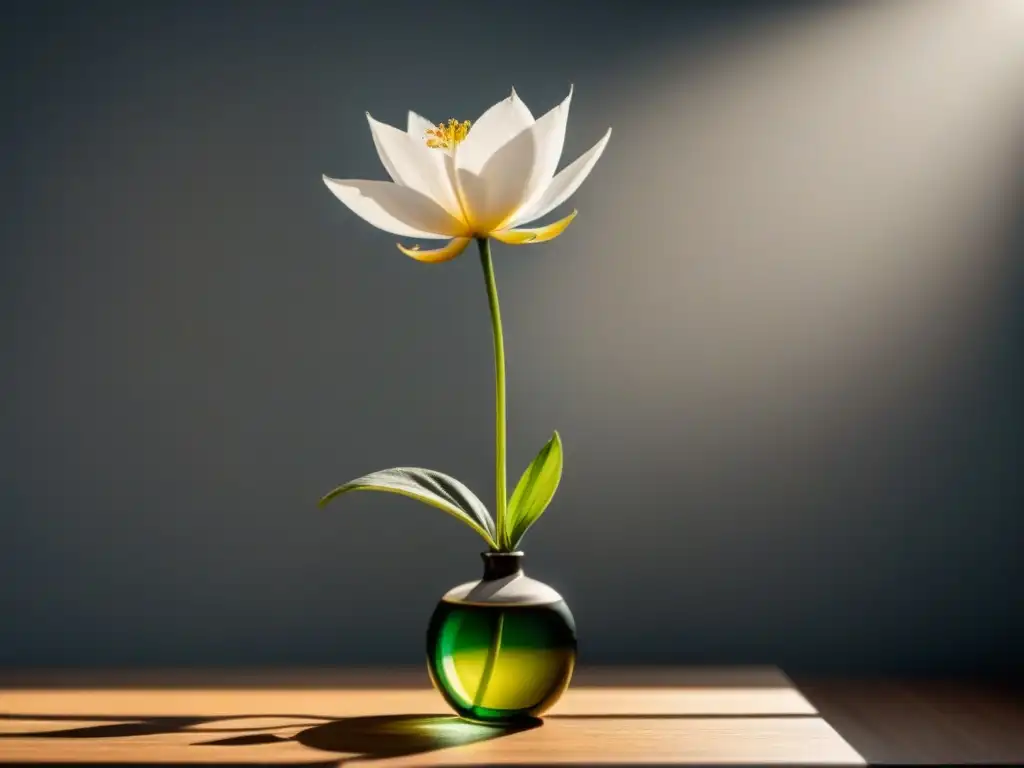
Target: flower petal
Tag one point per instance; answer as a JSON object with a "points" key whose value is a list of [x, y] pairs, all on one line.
{"points": [[449, 252], [564, 184], [494, 129], [491, 196], [534, 235], [549, 130], [418, 126], [413, 164], [396, 209]]}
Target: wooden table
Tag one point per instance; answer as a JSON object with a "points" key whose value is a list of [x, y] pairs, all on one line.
{"points": [[744, 716]]}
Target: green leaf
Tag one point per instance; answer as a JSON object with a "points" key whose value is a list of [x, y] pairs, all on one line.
{"points": [[535, 490], [434, 488]]}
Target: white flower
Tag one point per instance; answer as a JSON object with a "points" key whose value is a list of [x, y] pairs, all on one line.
{"points": [[454, 181]]}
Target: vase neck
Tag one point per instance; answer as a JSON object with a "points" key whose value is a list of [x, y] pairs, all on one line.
{"points": [[501, 565]]}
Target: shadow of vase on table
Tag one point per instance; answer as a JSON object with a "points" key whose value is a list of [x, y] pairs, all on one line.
{"points": [[363, 738]]}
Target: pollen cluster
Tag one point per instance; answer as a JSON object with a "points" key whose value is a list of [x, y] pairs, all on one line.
{"points": [[446, 136]]}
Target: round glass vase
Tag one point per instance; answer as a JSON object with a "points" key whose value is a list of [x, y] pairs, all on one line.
{"points": [[502, 649]]}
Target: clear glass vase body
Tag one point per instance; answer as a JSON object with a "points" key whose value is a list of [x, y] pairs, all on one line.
{"points": [[501, 649]]}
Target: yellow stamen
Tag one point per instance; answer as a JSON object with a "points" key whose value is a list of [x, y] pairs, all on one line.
{"points": [[446, 136]]}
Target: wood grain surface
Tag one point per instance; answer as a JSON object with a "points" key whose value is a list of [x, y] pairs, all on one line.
{"points": [[392, 718]]}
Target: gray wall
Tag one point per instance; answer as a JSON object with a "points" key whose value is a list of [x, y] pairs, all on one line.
{"points": [[782, 341]]}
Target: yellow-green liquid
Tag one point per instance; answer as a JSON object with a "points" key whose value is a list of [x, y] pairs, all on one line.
{"points": [[499, 663]]}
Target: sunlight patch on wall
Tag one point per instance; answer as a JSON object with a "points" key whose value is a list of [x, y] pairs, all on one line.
{"points": [[800, 229]]}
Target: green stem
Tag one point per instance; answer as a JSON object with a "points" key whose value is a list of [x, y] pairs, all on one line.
{"points": [[500, 487], [492, 658]]}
